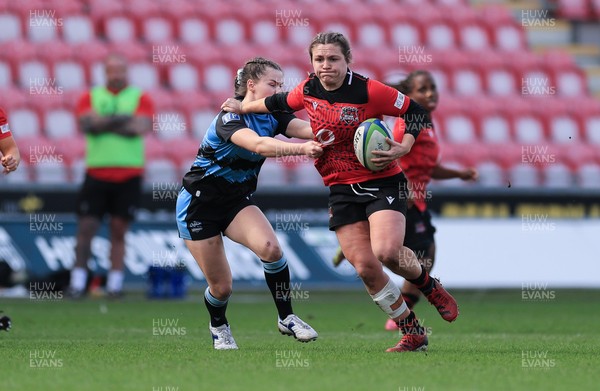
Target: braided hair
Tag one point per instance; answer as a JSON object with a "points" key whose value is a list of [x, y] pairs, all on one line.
{"points": [[252, 70]]}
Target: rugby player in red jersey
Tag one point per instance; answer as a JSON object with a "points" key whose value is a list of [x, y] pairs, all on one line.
{"points": [[9, 153], [366, 209]]}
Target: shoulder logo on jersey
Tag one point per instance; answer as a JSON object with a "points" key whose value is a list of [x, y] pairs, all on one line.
{"points": [[349, 115], [229, 117], [4, 128], [399, 100]]}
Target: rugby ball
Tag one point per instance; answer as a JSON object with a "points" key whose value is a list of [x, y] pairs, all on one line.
{"points": [[368, 137]]}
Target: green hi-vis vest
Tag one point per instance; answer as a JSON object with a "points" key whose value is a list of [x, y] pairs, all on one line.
{"points": [[111, 149]]}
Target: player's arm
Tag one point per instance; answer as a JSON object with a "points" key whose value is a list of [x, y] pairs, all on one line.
{"points": [[442, 172], [10, 154], [300, 129], [394, 103], [272, 147], [285, 102], [124, 124]]}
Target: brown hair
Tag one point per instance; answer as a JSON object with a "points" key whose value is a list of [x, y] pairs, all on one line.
{"points": [[252, 69], [406, 86], [333, 38]]}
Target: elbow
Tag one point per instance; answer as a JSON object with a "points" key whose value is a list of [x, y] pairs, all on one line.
{"points": [[262, 148]]}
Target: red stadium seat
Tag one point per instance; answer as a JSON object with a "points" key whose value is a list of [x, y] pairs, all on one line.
{"points": [[78, 28], [120, 27], [24, 122], [509, 36], [160, 171], [170, 123], [588, 176], [70, 75], [60, 123], [201, 120], [6, 76], [183, 77], [570, 82], [181, 151]]}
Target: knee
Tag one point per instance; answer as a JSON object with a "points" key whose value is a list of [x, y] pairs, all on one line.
{"points": [[221, 291], [368, 272], [389, 256], [270, 252]]}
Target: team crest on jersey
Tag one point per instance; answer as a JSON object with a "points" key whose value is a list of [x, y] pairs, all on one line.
{"points": [[349, 115], [4, 128], [229, 117]]}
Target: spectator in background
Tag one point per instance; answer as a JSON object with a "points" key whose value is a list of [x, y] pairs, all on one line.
{"points": [[9, 153], [114, 119]]}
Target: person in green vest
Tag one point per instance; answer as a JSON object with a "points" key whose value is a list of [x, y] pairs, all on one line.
{"points": [[114, 119]]}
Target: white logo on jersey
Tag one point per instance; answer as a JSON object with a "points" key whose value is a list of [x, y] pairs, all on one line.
{"points": [[229, 117], [325, 136], [4, 128], [390, 199], [315, 104], [399, 100]]}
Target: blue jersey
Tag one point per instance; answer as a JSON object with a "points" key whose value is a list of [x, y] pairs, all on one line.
{"points": [[224, 163]]}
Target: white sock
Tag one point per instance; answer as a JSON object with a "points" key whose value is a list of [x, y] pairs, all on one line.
{"points": [[78, 278], [114, 282]]}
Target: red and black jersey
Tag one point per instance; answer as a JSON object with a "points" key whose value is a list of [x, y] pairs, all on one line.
{"points": [[4, 128], [334, 117], [419, 163]]}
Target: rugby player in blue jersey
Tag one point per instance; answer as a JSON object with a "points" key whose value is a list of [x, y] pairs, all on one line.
{"points": [[215, 199]]}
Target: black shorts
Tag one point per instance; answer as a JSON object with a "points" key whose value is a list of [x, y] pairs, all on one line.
{"points": [[97, 198], [356, 202], [207, 212], [419, 230]]}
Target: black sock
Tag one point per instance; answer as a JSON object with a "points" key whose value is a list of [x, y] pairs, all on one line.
{"points": [[216, 309], [410, 300], [277, 275], [424, 282], [410, 325]]}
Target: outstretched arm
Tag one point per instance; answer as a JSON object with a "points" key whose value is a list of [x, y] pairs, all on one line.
{"points": [[441, 172], [272, 147]]}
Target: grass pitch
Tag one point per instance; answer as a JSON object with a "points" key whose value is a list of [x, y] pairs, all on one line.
{"points": [[502, 340]]}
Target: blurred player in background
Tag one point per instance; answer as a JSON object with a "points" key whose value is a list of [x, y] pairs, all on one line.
{"points": [[9, 153], [365, 208], [114, 119], [422, 164], [216, 200]]}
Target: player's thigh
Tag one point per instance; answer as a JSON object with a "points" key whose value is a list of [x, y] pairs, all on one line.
{"points": [[92, 199], [387, 234], [355, 241], [125, 198], [251, 228], [210, 255]]}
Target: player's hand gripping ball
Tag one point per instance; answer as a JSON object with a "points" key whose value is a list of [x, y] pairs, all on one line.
{"points": [[368, 137]]}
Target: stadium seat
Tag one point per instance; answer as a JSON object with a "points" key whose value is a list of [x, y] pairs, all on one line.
{"points": [[24, 122], [201, 121], [564, 128], [494, 126], [183, 77], [59, 124], [35, 74], [218, 77], [78, 29], [467, 81], [596, 8], [509, 36], [524, 176], [157, 29], [10, 27], [588, 176], [570, 82], [70, 75], [557, 175], [592, 129], [6, 78], [144, 75], [170, 123], [120, 27], [77, 171], [53, 172], [490, 174], [194, 30], [181, 151], [43, 24]]}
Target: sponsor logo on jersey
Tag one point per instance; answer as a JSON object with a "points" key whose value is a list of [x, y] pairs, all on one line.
{"points": [[399, 100], [315, 104], [229, 117], [349, 115], [390, 199], [4, 128]]}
